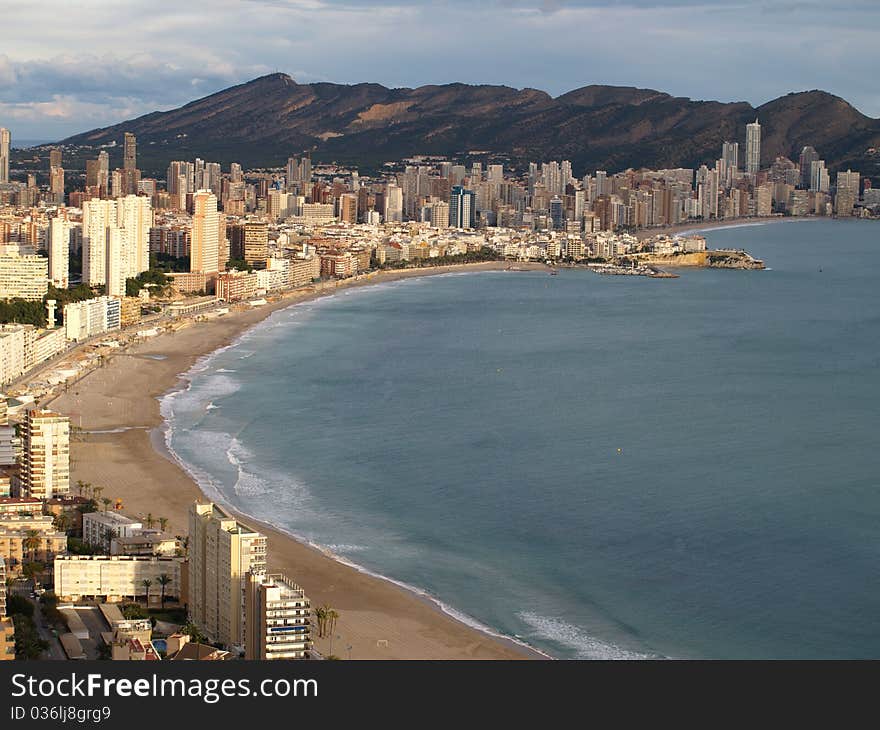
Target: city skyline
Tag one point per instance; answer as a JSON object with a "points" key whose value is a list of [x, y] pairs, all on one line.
{"points": [[49, 94]]}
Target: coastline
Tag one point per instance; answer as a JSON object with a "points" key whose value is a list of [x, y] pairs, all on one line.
{"points": [[712, 225], [122, 448]]}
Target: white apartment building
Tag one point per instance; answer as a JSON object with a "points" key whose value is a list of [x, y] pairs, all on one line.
{"points": [[100, 528], [116, 240], [23, 277], [277, 618], [117, 578], [58, 246], [45, 471], [91, 317]]}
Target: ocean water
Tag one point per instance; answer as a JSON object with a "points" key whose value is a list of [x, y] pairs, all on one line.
{"points": [[603, 467]]}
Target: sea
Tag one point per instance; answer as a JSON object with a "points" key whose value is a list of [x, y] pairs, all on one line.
{"points": [[602, 467]]}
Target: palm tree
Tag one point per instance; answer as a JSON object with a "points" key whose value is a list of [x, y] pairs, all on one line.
{"points": [[320, 617], [164, 580], [147, 583], [332, 615], [163, 523], [31, 543], [108, 538], [96, 492], [149, 519], [106, 501]]}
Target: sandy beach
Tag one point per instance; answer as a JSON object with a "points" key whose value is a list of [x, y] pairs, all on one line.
{"points": [[121, 448], [713, 224]]}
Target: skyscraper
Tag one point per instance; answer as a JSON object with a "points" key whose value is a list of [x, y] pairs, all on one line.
{"points": [[730, 155], [393, 203], [847, 192], [221, 552], [5, 144], [46, 467], [807, 158], [98, 216], [462, 207], [753, 148], [59, 249], [205, 240], [129, 154]]}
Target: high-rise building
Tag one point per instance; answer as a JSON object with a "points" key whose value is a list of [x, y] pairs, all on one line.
{"points": [[348, 208], [56, 184], [393, 203], [807, 158], [129, 153], [847, 192], [276, 618], [730, 155], [462, 208], [55, 157], [820, 181], [205, 239], [59, 249], [256, 243], [221, 553], [753, 148], [46, 446], [5, 144], [98, 216]]}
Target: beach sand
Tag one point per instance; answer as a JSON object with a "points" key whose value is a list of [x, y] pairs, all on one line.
{"points": [[378, 619], [693, 227]]}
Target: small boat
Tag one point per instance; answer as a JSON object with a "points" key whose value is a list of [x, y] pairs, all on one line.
{"points": [[554, 273]]}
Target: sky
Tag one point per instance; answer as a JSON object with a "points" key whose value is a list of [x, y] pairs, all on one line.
{"points": [[67, 68]]}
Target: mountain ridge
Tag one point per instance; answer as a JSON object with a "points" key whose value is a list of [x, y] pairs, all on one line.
{"points": [[263, 121]]}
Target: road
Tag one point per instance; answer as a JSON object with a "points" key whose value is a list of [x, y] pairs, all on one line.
{"points": [[23, 588]]}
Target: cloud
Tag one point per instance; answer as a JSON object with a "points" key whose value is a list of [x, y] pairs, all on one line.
{"points": [[163, 55]]}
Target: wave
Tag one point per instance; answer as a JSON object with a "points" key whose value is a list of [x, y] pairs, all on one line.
{"points": [[575, 638]]}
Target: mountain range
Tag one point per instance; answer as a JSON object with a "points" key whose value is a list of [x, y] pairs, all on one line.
{"points": [[266, 120]]}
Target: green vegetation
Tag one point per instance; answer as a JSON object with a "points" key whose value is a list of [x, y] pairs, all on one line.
{"points": [[155, 277], [167, 262], [28, 644], [21, 311], [194, 633], [133, 611], [326, 617], [75, 546], [19, 606], [239, 264], [169, 615]]}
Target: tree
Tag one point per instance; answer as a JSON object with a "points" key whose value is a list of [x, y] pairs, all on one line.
{"points": [[96, 491], [150, 520], [106, 501], [332, 615], [320, 618], [31, 543], [108, 538], [164, 580], [163, 523], [147, 583], [32, 569]]}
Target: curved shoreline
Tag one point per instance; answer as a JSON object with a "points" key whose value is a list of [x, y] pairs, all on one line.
{"points": [[162, 442], [119, 408]]}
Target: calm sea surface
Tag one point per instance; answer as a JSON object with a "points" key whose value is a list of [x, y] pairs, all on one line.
{"points": [[602, 466]]}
